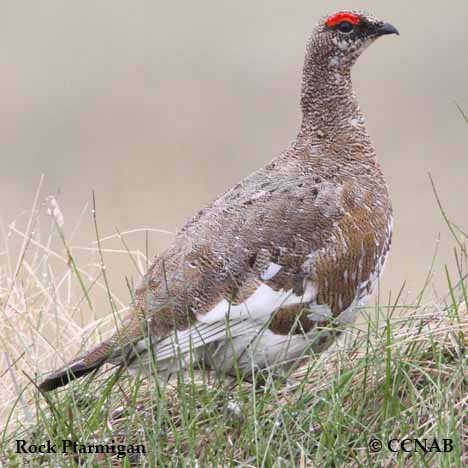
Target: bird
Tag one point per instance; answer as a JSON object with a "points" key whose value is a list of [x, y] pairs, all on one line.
{"points": [[277, 266]]}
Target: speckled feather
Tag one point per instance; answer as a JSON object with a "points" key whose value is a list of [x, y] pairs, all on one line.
{"points": [[290, 248]]}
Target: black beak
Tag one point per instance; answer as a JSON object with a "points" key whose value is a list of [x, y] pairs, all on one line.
{"points": [[385, 29]]}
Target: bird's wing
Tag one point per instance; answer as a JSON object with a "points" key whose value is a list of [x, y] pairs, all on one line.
{"points": [[228, 320], [201, 334], [238, 262], [230, 267]]}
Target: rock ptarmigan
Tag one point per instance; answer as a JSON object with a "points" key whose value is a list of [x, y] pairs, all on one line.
{"points": [[263, 273]]}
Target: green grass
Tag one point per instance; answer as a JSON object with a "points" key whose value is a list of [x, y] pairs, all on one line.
{"points": [[405, 379], [401, 375]]}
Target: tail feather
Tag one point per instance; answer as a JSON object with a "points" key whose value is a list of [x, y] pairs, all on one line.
{"points": [[67, 374], [119, 348], [78, 367]]}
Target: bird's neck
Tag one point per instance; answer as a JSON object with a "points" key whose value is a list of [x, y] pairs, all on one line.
{"points": [[328, 102]]}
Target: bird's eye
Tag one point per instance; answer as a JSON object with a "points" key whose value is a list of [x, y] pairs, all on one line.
{"points": [[345, 27]]}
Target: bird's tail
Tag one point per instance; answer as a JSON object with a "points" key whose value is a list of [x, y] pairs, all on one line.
{"points": [[78, 367], [118, 349]]}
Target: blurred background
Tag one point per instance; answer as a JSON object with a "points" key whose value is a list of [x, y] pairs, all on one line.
{"points": [[160, 106]]}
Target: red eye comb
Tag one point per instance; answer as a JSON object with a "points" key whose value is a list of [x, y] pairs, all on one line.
{"points": [[343, 16]]}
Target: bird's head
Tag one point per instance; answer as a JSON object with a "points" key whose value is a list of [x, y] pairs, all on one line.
{"points": [[340, 38]]}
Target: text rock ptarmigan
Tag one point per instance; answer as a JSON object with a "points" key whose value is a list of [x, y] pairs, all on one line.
{"points": [[270, 268]]}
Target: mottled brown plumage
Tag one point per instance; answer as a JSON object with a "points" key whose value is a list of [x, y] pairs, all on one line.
{"points": [[256, 278]]}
